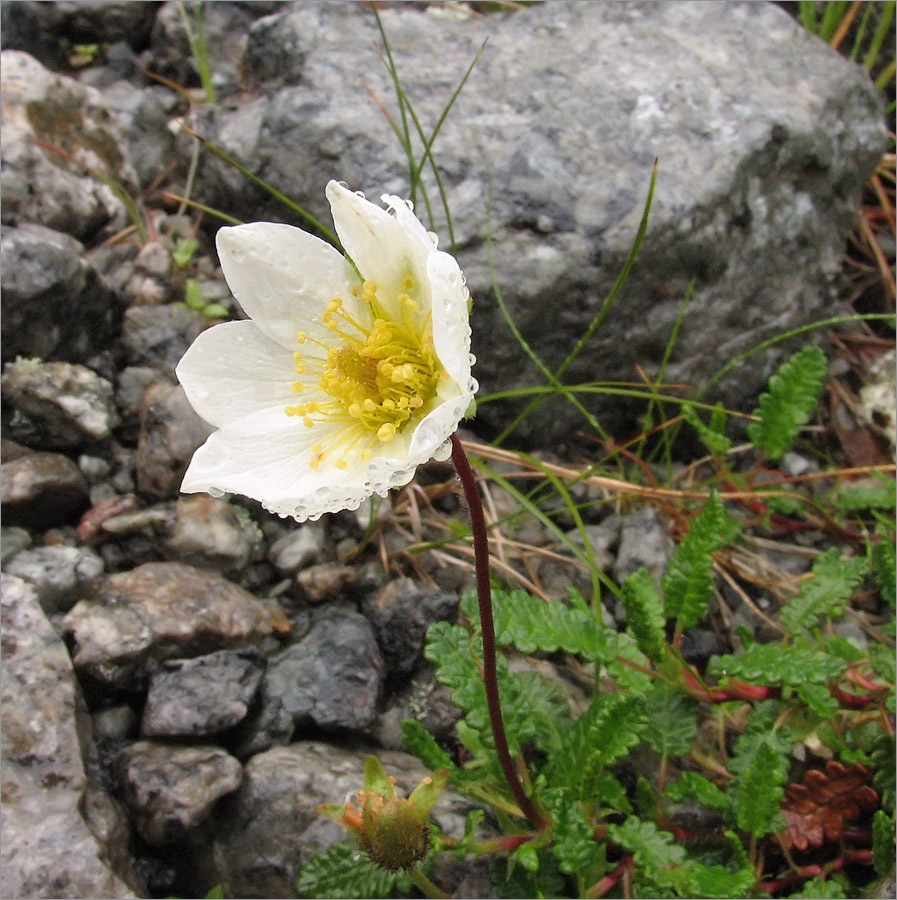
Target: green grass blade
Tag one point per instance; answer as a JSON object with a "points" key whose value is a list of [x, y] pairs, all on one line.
{"points": [[881, 32]]}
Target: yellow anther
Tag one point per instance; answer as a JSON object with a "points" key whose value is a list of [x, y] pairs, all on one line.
{"points": [[364, 455], [301, 337], [407, 283], [341, 463], [369, 405], [298, 387], [386, 432], [416, 402], [316, 461], [308, 422]]}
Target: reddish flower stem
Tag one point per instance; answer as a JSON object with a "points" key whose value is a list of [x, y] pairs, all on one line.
{"points": [[487, 629]]}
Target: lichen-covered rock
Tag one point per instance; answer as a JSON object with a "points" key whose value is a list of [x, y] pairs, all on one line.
{"points": [[66, 404], [162, 611], [44, 110], [170, 790], [56, 573], [202, 696], [47, 849]]}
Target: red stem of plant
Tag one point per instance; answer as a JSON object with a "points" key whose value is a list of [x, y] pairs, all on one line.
{"points": [[487, 629]]}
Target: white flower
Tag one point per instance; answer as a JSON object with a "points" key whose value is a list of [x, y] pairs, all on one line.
{"points": [[338, 385]]}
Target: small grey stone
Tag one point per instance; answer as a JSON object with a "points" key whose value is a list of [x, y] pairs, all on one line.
{"points": [[55, 305], [401, 612], [114, 724], [160, 611], [170, 790], [57, 573], [202, 696], [67, 404], [325, 581], [644, 541], [170, 433], [159, 336], [41, 490], [206, 531], [298, 548], [332, 677], [13, 541]]}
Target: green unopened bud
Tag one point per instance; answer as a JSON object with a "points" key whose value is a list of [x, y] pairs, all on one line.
{"points": [[394, 833]]}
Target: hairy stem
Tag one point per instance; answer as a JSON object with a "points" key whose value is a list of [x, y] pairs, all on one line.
{"points": [[487, 628]]}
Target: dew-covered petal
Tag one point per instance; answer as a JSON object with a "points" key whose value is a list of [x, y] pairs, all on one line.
{"points": [[436, 428], [385, 248], [234, 372], [274, 468], [284, 278], [451, 328]]}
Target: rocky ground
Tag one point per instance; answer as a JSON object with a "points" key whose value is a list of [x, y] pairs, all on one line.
{"points": [[186, 677]]}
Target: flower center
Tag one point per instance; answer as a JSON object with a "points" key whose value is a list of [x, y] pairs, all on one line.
{"points": [[379, 377]]}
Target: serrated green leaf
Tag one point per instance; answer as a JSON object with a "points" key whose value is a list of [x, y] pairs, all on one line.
{"points": [[688, 583], [818, 698], [604, 791], [644, 613], [876, 495], [826, 593], [718, 881], [792, 398], [420, 743], [532, 625], [758, 790], [882, 842], [574, 847], [691, 785], [672, 721], [533, 706], [883, 560], [771, 664], [711, 435], [603, 734], [821, 889], [654, 851], [344, 871], [884, 775]]}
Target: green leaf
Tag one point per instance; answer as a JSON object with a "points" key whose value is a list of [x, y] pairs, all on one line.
{"points": [[691, 785], [611, 726], [758, 790], [712, 435], [688, 583], [217, 893], [672, 721], [772, 664], [821, 889], [603, 791], [420, 743], [344, 871], [574, 847], [193, 294], [718, 881], [532, 705], [818, 698], [878, 495], [185, 251], [826, 593], [792, 398], [532, 625], [882, 842], [655, 852], [883, 559], [644, 613]]}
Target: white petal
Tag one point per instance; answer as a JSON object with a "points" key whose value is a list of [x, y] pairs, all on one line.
{"points": [[283, 278], [436, 428], [233, 372], [451, 325], [385, 248]]}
